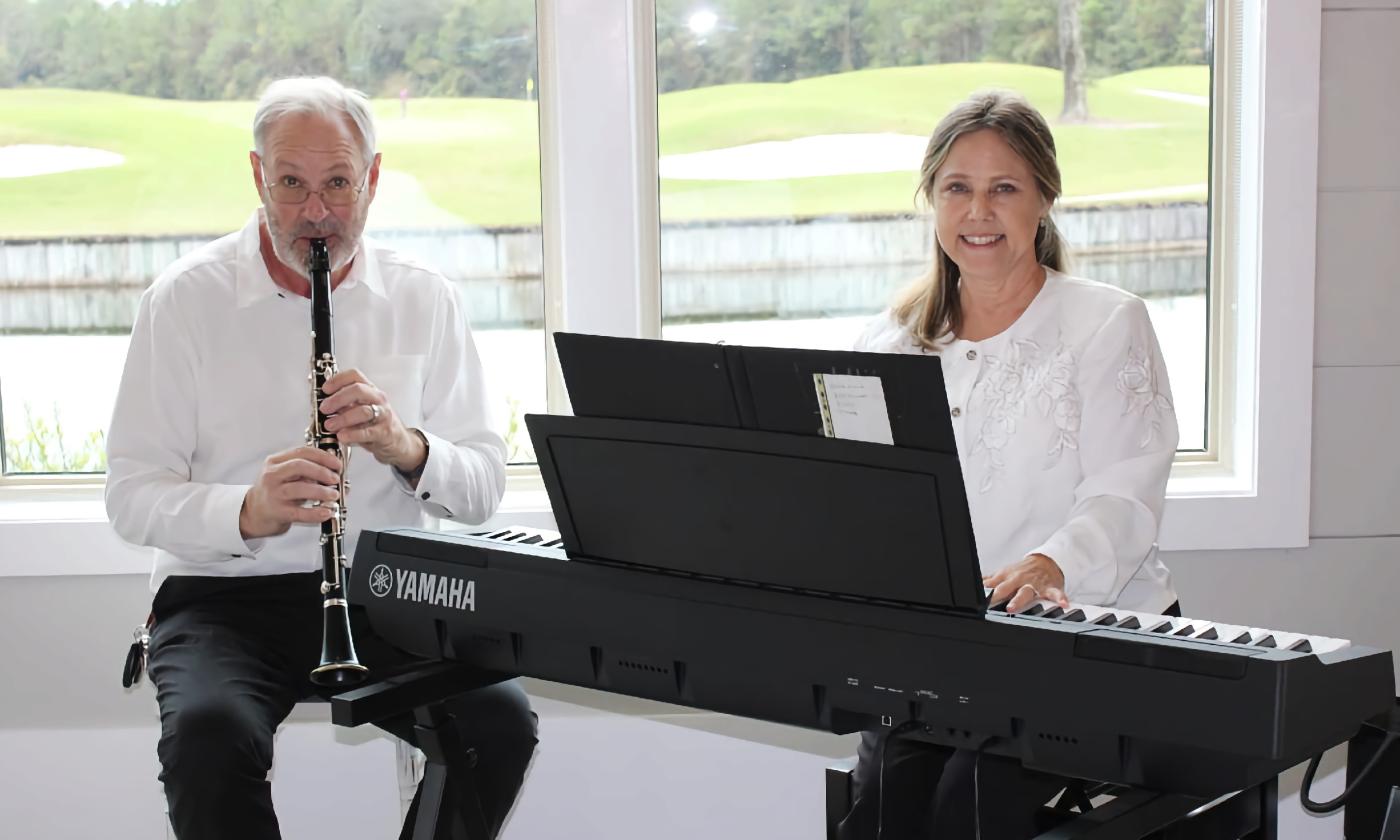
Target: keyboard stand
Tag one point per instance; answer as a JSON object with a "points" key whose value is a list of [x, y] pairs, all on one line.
{"points": [[1390, 830], [1250, 814], [446, 804]]}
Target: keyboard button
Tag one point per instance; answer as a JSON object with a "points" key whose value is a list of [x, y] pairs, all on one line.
{"points": [[1054, 612], [1106, 619], [1185, 631], [1266, 642], [1161, 627], [1130, 623], [532, 539], [1242, 639], [1073, 615], [1033, 609], [1208, 634], [1301, 646]]}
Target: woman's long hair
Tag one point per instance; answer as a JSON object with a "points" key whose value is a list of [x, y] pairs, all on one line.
{"points": [[930, 307]]}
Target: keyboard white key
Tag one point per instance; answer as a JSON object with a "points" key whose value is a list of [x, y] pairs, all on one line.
{"points": [[1186, 628]]}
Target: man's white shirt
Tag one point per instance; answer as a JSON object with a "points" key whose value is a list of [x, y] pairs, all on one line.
{"points": [[216, 380], [1066, 432]]}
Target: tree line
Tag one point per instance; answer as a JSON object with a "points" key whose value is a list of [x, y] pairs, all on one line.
{"points": [[229, 49]]}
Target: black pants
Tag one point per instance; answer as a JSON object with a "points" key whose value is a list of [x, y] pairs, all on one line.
{"points": [[905, 789], [230, 657]]}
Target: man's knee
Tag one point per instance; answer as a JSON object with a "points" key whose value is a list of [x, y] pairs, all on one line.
{"points": [[501, 720], [212, 737]]}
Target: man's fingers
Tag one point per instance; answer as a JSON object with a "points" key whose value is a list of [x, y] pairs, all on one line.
{"points": [[297, 492], [349, 376], [323, 467], [350, 394], [309, 514], [1054, 593]]}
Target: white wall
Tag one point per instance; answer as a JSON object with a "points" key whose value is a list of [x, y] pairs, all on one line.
{"points": [[77, 754]]}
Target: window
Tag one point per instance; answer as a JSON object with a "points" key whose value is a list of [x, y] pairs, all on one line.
{"points": [[791, 133], [602, 250], [124, 146], [602, 157]]}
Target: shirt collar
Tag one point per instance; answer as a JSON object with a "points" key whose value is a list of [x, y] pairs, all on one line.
{"points": [[255, 283]]}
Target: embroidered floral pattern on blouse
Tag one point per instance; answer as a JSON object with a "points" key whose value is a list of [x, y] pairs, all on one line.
{"points": [[1026, 378], [1137, 382]]}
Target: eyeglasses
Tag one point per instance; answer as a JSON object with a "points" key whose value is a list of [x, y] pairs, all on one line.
{"points": [[338, 191]]}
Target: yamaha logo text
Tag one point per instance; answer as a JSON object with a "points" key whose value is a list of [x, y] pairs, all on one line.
{"points": [[423, 587]]}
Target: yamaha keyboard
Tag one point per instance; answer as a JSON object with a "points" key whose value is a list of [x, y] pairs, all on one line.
{"points": [[1169, 704]]}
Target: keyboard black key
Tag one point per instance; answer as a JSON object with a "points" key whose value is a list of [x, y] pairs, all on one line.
{"points": [[1054, 612], [1130, 623], [1185, 631], [1074, 615], [1161, 627], [1267, 641], [1242, 639], [1209, 634], [1033, 609], [552, 543], [1106, 619], [999, 606], [1302, 646], [532, 539]]}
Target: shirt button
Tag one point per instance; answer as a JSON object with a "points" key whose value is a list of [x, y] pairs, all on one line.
{"points": [[957, 412], [971, 355], [425, 495]]}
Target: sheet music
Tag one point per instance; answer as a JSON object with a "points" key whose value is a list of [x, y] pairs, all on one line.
{"points": [[853, 407]]}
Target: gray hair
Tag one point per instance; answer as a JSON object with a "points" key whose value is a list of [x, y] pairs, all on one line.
{"points": [[314, 95]]}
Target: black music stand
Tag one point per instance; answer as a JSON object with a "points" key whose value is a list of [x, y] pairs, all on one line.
{"points": [[668, 435]]}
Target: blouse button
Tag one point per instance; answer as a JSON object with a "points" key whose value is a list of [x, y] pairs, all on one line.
{"points": [[971, 355], [957, 412]]}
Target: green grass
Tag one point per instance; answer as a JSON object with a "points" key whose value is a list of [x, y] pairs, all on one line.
{"points": [[186, 162]]}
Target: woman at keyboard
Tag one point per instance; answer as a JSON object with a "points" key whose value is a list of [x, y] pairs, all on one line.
{"points": [[1065, 429]]}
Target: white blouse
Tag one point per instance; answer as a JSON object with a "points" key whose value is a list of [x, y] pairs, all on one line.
{"points": [[1066, 433]]}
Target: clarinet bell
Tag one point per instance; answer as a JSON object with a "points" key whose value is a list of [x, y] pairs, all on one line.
{"points": [[339, 666]]}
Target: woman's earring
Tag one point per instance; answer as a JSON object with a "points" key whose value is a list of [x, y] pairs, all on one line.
{"points": [[1042, 221]]}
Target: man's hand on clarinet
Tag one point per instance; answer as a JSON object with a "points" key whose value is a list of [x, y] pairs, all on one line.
{"points": [[359, 413], [287, 482]]}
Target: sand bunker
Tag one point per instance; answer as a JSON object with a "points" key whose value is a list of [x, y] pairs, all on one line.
{"points": [[25, 160], [803, 157]]}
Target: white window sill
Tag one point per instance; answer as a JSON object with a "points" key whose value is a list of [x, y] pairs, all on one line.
{"points": [[66, 532]]}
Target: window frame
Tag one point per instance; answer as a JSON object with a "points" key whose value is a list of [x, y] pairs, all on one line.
{"points": [[601, 234]]}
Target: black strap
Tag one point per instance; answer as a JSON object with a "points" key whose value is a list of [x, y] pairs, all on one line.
{"points": [[136, 654]]}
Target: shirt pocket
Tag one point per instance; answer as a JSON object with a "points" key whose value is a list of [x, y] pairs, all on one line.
{"points": [[401, 379]]}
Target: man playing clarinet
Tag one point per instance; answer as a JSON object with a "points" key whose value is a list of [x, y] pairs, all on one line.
{"points": [[209, 463]]}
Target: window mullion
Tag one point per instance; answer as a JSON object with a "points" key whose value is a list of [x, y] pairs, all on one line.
{"points": [[598, 152]]}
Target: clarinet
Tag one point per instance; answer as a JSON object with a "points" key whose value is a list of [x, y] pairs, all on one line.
{"points": [[339, 666]]}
